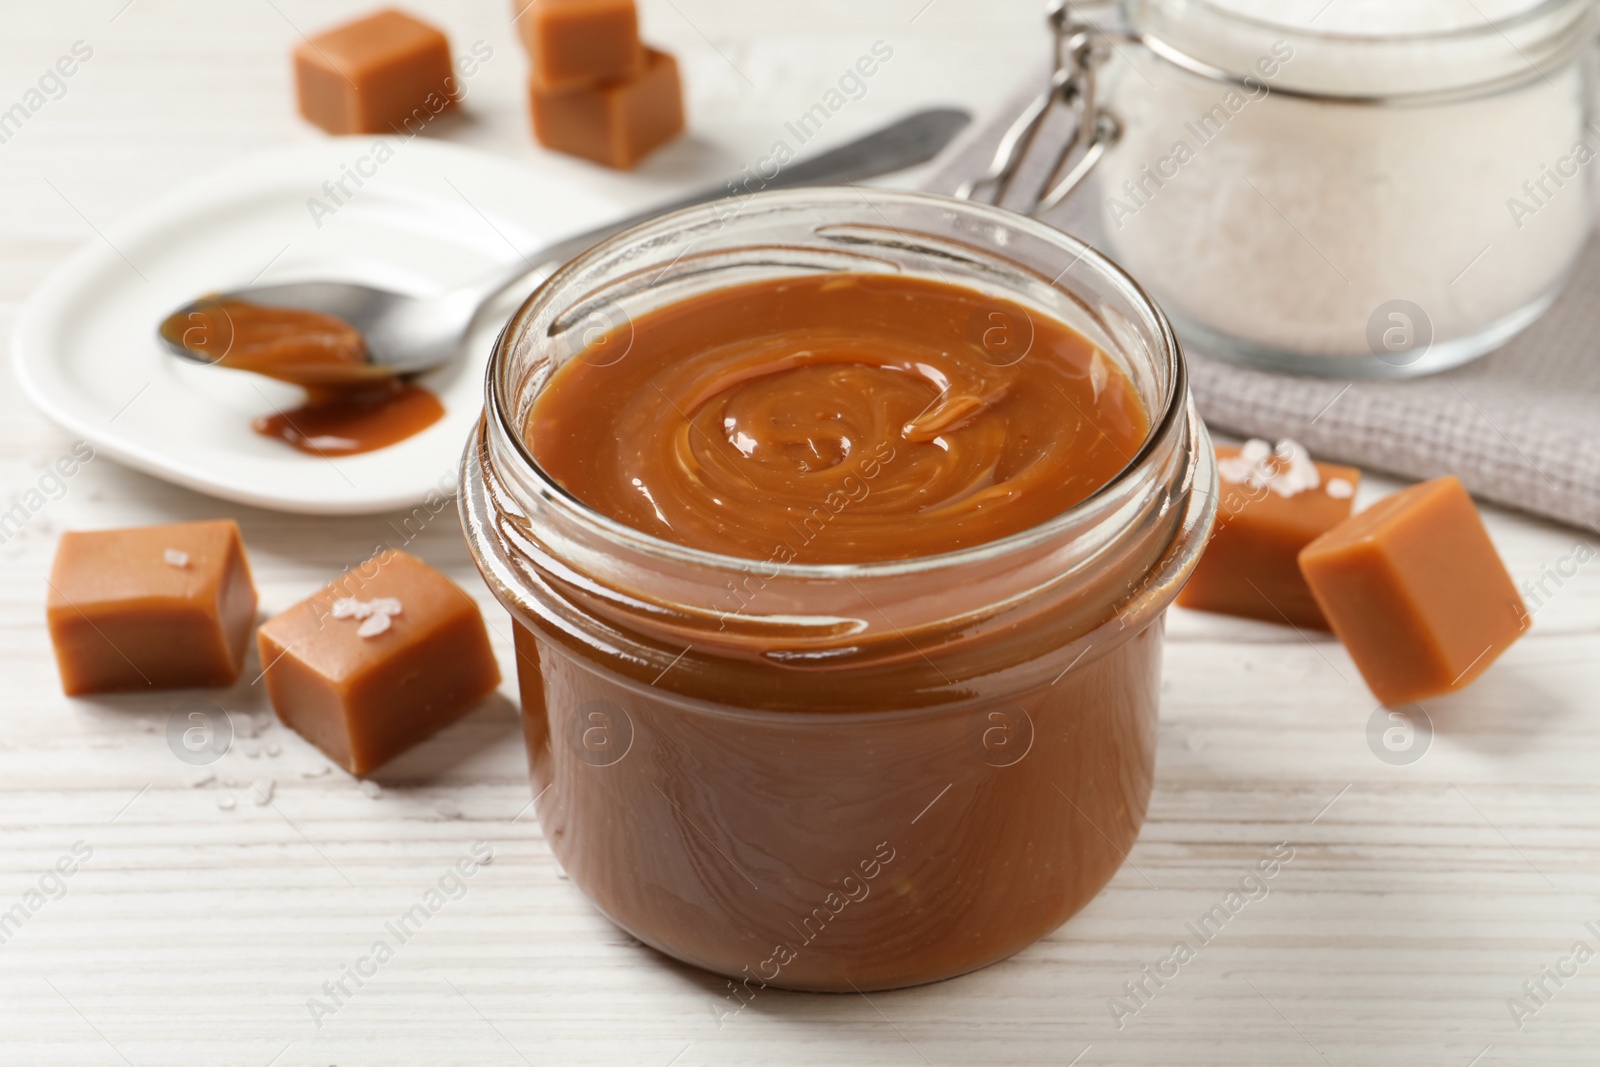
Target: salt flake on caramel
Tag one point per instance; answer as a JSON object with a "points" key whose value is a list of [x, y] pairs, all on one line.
{"points": [[361, 701], [373, 625], [1273, 502], [375, 615], [122, 615], [1286, 470]]}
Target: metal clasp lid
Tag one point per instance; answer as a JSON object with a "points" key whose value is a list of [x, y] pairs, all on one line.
{"points": [[1079, 50]]}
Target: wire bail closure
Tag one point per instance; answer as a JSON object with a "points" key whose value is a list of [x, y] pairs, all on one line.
{"points": [[1078, 55]]}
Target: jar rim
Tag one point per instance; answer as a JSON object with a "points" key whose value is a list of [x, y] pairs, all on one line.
{"points": [[1488, 28], [1165, 348], [1395, 69]]}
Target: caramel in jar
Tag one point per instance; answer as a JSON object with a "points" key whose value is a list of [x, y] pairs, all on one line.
{"points": [[838, 592]]}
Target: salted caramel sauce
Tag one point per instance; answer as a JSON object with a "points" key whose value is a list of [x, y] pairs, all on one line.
{"points": [[351, 404], [878, 805], [840, 418]]}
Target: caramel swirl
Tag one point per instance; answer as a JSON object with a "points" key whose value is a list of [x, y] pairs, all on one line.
{"points": [[837, 419]]}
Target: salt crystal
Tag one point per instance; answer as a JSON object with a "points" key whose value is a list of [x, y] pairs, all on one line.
{"points": [[373, 625], [316, 773], [1296, 471], [372, 790], [175, 558], [1340, 488], [448, 809], [263, 791], [274, 751], [1255, 450], [1247, 467], [375, 614], [225, 802], [351, 608], [243, 725], [205, 779], [1287, 470]]}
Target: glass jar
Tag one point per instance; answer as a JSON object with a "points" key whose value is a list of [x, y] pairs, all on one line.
{"points": [[1396, 191], [829, 777]]}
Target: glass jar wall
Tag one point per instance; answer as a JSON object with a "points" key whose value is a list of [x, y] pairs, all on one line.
{"points": [[1353, 190], [846, 775]]}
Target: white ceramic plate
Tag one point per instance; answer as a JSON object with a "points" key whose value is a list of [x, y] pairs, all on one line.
{"points": [[433, 216]]}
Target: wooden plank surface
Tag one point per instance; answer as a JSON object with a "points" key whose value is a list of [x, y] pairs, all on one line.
{"points": [[1419, 898]]}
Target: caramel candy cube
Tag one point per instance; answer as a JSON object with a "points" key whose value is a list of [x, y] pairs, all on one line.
{"points": [[1415, 590], [378, 660], [1267, 511], [615, 123], [152, 607], [385, 73], [573, 44]]}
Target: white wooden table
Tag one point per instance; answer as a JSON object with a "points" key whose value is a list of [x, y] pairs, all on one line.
{"points": [[1419, 899]]}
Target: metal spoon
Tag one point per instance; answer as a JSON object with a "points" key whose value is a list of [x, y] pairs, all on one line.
{"points": [[407, 334]]}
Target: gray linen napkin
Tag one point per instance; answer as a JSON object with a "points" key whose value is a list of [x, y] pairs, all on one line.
{"points": [[1520, 426]]}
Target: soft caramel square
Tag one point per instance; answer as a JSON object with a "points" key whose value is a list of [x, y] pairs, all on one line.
{"points": [[151, 607], [1415, 590], [377, 661], [615, 123], [385, 73], [1250, 566], [573, 44]]}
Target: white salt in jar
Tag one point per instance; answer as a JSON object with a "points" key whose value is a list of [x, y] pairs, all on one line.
{"points": [[1355, 188]]}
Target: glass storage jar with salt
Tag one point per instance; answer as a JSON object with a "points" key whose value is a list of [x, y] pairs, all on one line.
{"points": [[1340, 187]]}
